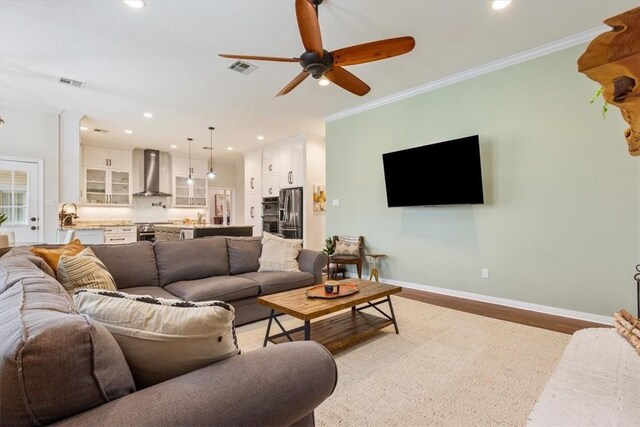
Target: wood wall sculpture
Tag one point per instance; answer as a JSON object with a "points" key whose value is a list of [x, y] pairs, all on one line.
{"points": [[613, 60]]}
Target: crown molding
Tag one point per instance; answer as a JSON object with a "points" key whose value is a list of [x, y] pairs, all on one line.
{"points": [[518, 58]]}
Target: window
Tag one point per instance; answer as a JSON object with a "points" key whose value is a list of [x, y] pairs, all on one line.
{"points": [[14, 196]]}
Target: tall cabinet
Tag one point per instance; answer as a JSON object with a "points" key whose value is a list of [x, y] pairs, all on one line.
{"points": [[296, 162], [106, 176], [253, 190]]}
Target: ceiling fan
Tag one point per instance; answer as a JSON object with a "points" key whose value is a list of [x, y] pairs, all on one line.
{"points": [[317, 62]]}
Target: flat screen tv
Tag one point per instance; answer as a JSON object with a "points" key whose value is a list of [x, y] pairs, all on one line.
{"points": [[444, 173]]}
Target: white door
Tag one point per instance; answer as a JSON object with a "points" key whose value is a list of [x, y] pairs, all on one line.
{"points": [[19, 199]]}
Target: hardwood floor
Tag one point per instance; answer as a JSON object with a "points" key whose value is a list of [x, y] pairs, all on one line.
{"points": [[532, 318]]}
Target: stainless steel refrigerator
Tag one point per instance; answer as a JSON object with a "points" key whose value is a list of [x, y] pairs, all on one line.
{"points": [[290, 213]]}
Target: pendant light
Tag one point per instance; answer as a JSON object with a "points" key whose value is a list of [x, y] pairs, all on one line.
{"points": [[211, 173], [189, 180]]}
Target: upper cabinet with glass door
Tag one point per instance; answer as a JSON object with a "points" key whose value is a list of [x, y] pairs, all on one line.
{"points": [[107, 176], [189, 195]]}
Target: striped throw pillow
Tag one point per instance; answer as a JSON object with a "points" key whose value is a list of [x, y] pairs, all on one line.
{"points": [[162, 338], [84, 271]]}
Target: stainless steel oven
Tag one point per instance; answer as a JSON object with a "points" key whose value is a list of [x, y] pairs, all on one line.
{"points": [[270, 214]]}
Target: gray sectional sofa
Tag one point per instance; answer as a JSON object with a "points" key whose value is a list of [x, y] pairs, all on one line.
{"points": [[59, 366], [208, 268]]}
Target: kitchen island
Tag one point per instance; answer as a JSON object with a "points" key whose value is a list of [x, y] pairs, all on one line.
{"points": [[171, 232]]}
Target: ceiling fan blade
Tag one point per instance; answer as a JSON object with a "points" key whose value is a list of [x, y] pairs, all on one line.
{"points": [[309, 26], [295, 82], [347, 81], [259, 58], [373, 51]]}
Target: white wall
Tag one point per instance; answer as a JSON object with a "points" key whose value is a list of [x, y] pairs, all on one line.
{"points": [[315, 175], [34, 135]]}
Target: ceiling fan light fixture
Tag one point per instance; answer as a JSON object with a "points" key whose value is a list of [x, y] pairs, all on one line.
{"points": [[324, 81], [500, 4], [136, 4]]}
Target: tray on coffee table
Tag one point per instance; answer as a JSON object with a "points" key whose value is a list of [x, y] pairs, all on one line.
{"points": [[343, 290]]}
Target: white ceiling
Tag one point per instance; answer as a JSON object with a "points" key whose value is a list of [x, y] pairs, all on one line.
{"points": [[163, 59]]}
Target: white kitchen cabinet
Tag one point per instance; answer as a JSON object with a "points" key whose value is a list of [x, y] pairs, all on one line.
{"points": [[90, 236], [270, 185], [104, 186], [120, 235], [253, 211], [292, 159], [189, 195], [101, 157], [107, 176], [271, 160], [253, 171]]}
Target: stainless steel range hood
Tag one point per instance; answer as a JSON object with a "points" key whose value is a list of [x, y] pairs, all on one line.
{"points": [[152, 175]]}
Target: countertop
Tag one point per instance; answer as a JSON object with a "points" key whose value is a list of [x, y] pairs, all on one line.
{"points": [[194, 226], [94, 226]]}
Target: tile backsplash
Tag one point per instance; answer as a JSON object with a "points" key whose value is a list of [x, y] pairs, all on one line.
{"points": [[143, 209]]}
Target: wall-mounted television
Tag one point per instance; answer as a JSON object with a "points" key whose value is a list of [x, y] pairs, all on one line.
{"points": [[444, 173]]}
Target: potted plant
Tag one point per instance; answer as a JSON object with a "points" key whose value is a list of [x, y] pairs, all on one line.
{"points": [[4, 239]]}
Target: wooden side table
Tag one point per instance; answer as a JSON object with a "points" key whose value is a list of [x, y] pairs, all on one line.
{"points": [[374, 265]]}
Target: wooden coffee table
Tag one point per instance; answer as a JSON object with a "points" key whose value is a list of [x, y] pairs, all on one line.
{"points": [[334, 332]]}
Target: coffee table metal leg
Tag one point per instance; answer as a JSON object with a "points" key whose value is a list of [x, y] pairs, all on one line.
{"points": [[307, 330], [266, 335], [393, 315]]}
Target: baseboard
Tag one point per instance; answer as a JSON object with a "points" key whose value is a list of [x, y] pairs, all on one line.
{"points": [[556, 311]]}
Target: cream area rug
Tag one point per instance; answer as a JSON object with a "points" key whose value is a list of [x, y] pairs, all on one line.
{"points": [[445, 368]]}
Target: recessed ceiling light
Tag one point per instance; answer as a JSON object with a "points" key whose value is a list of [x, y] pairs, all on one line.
{"points": [[500, 4], [230, 148], [84, 128], [174, 146], [260, 137], [128, 131], [137, 4], [148, 115], [324, 81]]}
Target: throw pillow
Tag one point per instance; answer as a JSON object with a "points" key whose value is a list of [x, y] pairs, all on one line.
{"points": [[162, 339], [244, 254], [279, 254], [51, 256], [84, 270], [346, 249]]}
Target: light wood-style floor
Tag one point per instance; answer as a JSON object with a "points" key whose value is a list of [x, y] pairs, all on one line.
{"points": [[525, 317]]}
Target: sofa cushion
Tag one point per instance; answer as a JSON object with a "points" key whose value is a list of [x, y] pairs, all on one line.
{"points": [[154, 291], [84, 270], [271, 282], [223, 288], [25, 251], [130, 264], [279, 254], [191, 259], [244, 254], [54, 362], [52, 255], [162, 339]]}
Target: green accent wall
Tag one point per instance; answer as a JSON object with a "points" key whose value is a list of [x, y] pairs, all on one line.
{"points": [[560, 223]]}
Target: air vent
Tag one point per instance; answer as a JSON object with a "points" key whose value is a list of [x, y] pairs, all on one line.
{"points": [[100, 130], [71, 82], [243, 67]]}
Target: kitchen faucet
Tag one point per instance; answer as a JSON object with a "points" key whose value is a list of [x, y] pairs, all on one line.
{"points": [[67, 218]]}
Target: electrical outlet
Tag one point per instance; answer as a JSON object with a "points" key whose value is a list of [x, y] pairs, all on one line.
{"points": [[335, 202], [485, 273]]}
